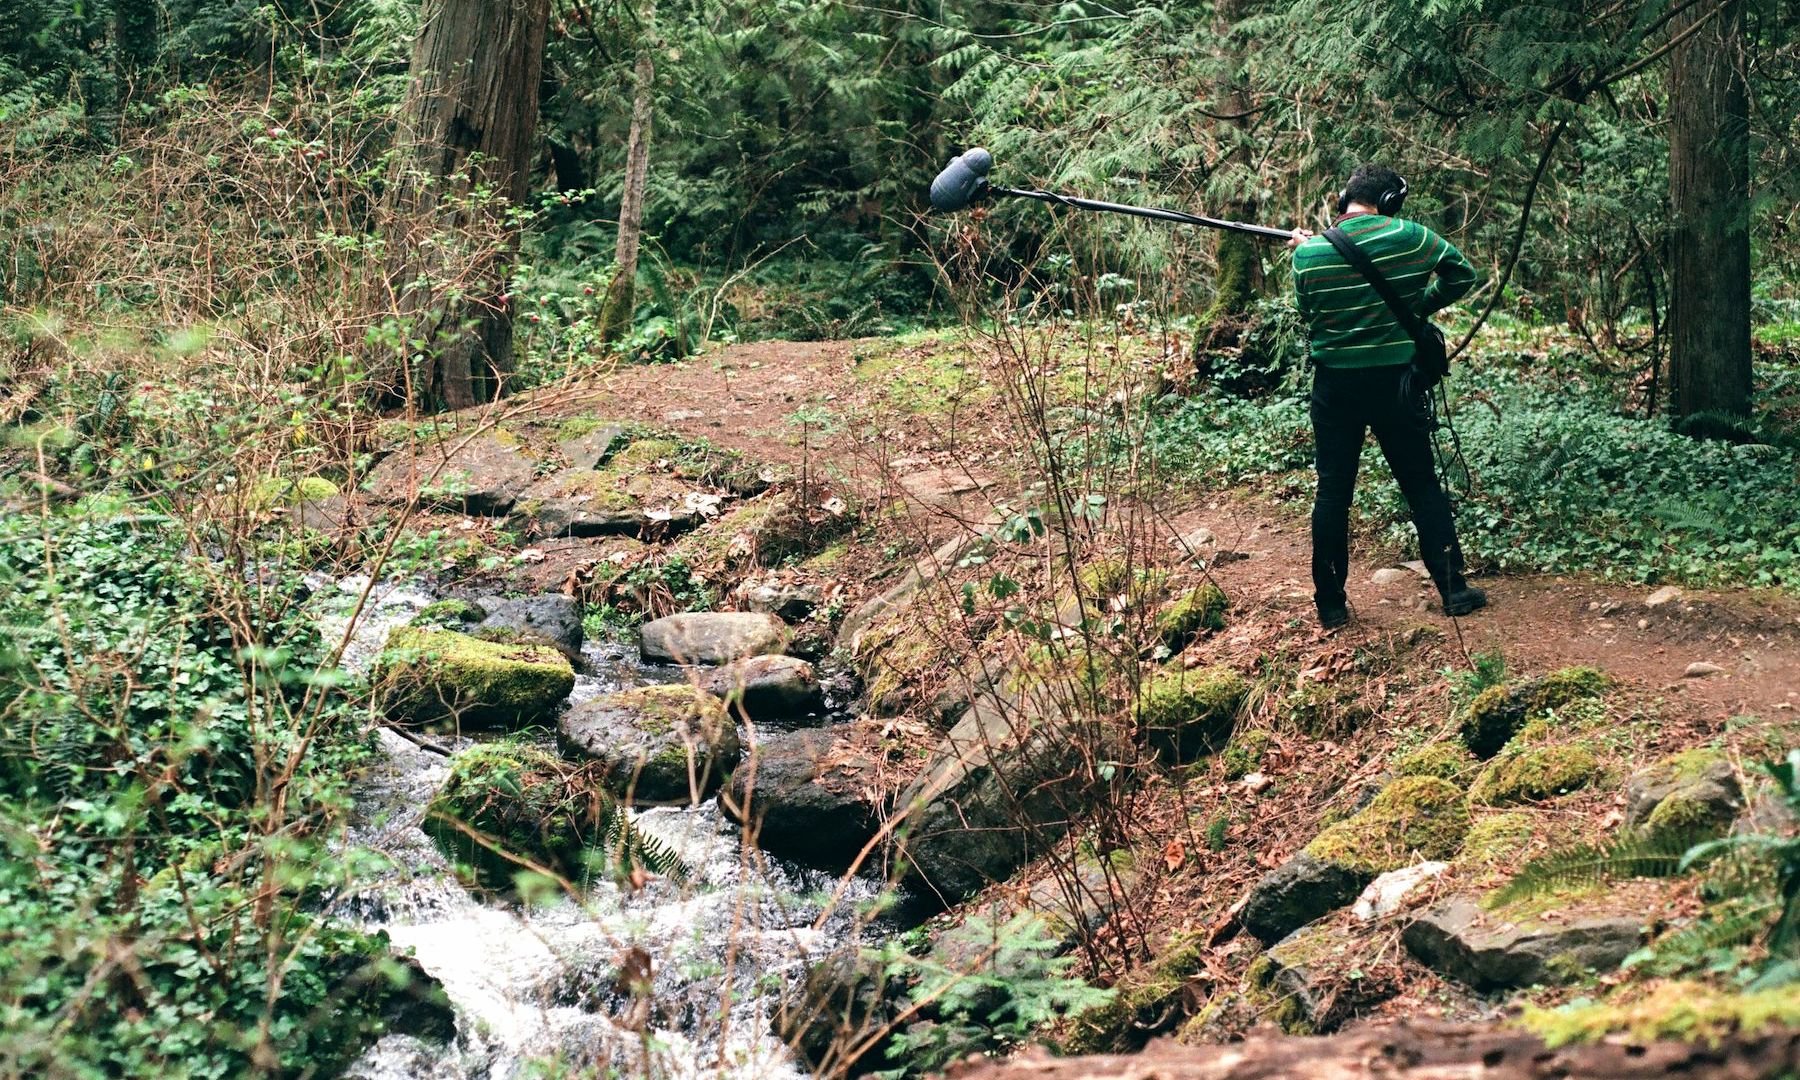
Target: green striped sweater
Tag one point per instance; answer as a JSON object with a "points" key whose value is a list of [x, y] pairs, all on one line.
{"points": [[1349, 323]]}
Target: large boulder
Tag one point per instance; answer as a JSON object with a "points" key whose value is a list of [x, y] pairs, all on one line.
{"points": [[481, 474], [767, 689], [656, 743], [803, 799], [999, 791], [712, 637], [586, 442], [428, 676], [1491, 951], [1414, 817], [553, 619], [507, 805]]}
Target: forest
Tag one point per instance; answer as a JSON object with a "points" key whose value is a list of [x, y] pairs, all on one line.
{"points": [[779, 538]]}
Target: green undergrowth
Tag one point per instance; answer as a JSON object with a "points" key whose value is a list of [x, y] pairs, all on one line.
{"points": [[159, 902], [1564, 482]]}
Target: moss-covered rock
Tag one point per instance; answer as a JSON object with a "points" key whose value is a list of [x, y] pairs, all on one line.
{"points": [[428, 676], [1114, 576], [1689, 796], [449, 614], [1533, 767], [507, 806], [654, 743], [1184, 714], [1499, 840], [1195, 610], [1444, 760], [1122, 1024], [1500, 712], [1415, 817], [1317, 978], [283, 491]]}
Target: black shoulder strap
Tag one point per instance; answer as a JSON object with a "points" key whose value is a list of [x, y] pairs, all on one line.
{"points": [[1358, 258]]}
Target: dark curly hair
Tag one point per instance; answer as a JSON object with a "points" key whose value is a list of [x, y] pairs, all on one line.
{"points": [[1369, 182]]}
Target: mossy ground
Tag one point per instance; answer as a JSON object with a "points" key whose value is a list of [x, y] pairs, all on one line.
{"points": [[1113, 1027], [1444, 760], [1243, 755], [1539, 763], [923, 374], [1688, 1011], [1414, 817], [1498, 713]]}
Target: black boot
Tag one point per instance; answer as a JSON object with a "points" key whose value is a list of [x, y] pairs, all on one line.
{"points": [[1463, 600], [1333, 613]]}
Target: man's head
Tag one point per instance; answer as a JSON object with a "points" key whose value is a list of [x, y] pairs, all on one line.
{"points": [[1376, 186]]}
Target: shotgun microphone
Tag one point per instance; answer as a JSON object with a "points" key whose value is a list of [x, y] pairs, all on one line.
{"points": [[962, 181]]}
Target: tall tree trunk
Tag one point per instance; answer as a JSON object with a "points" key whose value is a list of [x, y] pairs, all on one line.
{"points": [[471, 112], [1709, 193], [621, 296]]}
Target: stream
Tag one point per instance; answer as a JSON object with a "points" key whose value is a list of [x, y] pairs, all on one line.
{"points": [[540, 983]]}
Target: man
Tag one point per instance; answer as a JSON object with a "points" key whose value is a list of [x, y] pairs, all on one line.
{"points": [[1362, 358]]}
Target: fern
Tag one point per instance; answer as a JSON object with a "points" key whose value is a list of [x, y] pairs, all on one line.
{"points": [[626, 846], [1706, 942], [1632, 856]]}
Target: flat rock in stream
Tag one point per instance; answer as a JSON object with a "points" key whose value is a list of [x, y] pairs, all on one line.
{"points": [[804, 799], [428, 675], [552, 618], [1488, 951], [767, 689], [712, 637], [657, 743]]}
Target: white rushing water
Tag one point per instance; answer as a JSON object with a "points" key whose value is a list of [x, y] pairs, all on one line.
{"points": [[541, 982]]}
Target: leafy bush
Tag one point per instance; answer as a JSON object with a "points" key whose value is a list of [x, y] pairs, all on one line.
{"points": [[173, 755]]}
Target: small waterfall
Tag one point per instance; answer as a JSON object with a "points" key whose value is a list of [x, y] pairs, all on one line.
{"points": [[542, 981]]}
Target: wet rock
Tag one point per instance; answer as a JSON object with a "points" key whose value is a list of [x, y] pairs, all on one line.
{"points": [[789, 600], [589, 450], [845, 1002], [552, 618], [712, 637], [1389, 892], [997, 793], [801, 801], [657, 743], [764, 689], [1489, 951], [450, 614], [481, 475], [1687, 796], [1297, 892], [506, 804], [432, 676]]}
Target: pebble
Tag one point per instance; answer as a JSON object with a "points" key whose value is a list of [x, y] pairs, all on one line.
{"points": [[1701, 668], [1389, 575]]}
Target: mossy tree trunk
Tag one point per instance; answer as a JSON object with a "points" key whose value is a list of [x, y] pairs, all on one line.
{"points": [[1709, 193], [621, 295], [1240, 270], [470, 116]]}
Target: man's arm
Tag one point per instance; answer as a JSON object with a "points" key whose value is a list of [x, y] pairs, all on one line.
{"points": [[1299, 237], [1454, 278]]}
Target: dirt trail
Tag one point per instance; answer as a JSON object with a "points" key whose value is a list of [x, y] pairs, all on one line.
{"points": [[747, 396]]}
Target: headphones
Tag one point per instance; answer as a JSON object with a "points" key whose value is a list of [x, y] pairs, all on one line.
{"points": [[1387, 203]]}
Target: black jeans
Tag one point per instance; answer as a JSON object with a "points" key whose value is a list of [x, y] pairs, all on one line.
{"points": [[1346, 403]]}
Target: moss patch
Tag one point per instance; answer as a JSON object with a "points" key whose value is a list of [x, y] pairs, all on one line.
{"points": [[1534, 767], [507, 803], [1187, 713], [1195, 610], [1500, 712], [1244, 754], [428, 675], [1499, 840], [1444, 760], [1142, 996], [1323, 710], [923, 375], [1687, 1011], [1413, 817]]}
